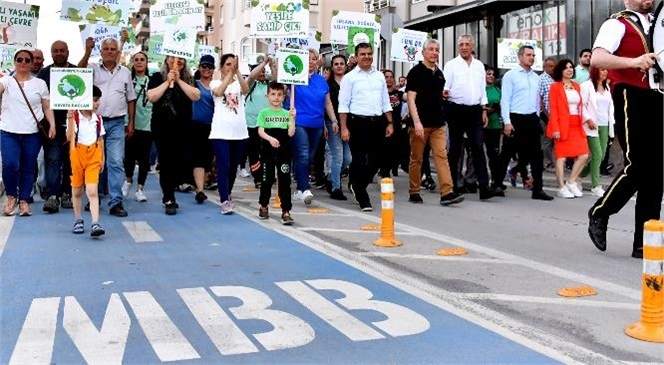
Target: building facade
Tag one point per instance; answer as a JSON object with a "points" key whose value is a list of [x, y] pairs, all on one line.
{"points": [[565, 27]]}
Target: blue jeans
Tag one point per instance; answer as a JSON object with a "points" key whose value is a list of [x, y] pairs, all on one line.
{"points": [[114, 141], [19, 156], [340, 152], [228, 153], [304, 144]]}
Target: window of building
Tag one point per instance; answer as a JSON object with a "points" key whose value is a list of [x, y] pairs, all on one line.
{"points": [[417, 1], [232, 9], [245, 49], [246, 5], [545, 23], [233, 47], [373, 5]]}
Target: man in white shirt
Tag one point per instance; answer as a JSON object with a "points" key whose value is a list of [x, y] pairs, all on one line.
{"points": [[465, 89], [366, 119]]}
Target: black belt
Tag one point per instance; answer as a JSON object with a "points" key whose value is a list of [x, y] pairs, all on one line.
{"points": [[107, 118], [466, 106], [374, 118]]}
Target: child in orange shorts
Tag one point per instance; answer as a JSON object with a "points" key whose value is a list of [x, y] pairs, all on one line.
{"points": [[86, 152]]}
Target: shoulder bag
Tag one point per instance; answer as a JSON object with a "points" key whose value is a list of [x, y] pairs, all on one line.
{"points": [[42, 125]]}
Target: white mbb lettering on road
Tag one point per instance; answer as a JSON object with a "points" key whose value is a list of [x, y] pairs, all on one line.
{"points": [[166, 340], [289, 331], [107, 345], [348, 325], [400, 321], [104, 346], [221, 329], [141, 232], [35, 343]]}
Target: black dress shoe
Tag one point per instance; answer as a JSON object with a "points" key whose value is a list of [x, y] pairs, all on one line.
{"points": [[541, 195], [486, 193], [337, 194], [415, 198], [637, 254], [597, 227], [499, 192], [471, 188], [118, 211]]}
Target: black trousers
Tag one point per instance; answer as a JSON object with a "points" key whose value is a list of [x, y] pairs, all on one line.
{"points": [[466, 119], [172, 159], [639, 116], [279, 159], [137, 149], [492, 144], [253, 152], [526, 141], [366, 145]]}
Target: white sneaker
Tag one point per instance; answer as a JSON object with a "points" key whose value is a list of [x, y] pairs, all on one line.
{"points": [[308, 197], [227, 207], [126, 186], [244, 173], [140, 196], [297, 195], [565, 193], [597, 191], [574, 189]]}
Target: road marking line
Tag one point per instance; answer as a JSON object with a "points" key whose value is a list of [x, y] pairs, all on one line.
{"points": [[343, 230], [141, 232], [6, 224], [318, 214], [531, 264], [35, 343], [526, 335], [433, 257], [546, 300], [165, 338]]}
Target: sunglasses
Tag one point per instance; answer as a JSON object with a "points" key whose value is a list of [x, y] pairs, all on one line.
{"points": [[23, 60], [207, 66], [140, 59]]}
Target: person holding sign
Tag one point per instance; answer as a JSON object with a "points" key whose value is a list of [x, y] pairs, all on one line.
{"points": [[276, 127], [311, 102], [366, 119], [229, 126], [20, 138], [171, 93]]}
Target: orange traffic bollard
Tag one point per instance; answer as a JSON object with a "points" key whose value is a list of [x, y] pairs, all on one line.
{"points": [[387, 238], [651, 326]]}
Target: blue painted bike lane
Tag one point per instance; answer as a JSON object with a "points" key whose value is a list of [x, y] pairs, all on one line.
{"points": [[213, 289]]}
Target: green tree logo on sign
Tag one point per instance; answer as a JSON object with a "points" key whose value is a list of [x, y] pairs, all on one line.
{"points": [[71, 86], [293, 65]]}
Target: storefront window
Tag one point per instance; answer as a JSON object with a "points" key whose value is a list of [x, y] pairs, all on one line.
{"points": [[545, 23]]}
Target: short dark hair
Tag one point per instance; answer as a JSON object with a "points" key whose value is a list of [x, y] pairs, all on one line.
{"points": [[402, 77], [488, 68], [388, 70], [339, 56], [23, 51], [362, 45], [522, 49], [584, 51], [277, 86], [560, 67], [96, 92]]}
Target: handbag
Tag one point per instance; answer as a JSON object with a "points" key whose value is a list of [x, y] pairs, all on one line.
{"points": [[42, 125]]}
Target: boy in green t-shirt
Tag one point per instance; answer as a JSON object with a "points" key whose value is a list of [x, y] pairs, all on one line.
{"points": [[276, 127]]}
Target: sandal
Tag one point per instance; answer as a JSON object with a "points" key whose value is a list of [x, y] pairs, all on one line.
{"points": [[10, 206]]}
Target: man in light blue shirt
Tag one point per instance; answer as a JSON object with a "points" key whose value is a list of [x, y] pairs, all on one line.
{"points": [[520, 107]]}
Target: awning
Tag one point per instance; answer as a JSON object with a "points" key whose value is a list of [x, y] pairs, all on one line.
{"points": [[472, 11]]}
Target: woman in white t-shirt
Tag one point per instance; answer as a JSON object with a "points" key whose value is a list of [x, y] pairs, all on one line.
{"points": [[598, 124], [229, 126], [20, 141]]}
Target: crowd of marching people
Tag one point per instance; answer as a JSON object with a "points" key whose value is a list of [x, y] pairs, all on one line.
{"points": [[350, 121]]}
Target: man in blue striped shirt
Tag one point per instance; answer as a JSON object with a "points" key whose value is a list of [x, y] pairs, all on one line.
{"points": [[520, 107]]}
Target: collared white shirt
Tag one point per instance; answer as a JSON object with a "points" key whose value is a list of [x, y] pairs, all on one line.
{"points": [[612, 31], [87, 129], [466, 82], [117, 89], [364, 93]]}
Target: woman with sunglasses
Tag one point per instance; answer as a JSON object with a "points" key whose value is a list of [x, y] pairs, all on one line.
{"points": [[20, 140], [171, 91], [137, 148], [201, 152]]}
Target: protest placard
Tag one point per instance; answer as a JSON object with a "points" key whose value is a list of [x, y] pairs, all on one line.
{"points": [[107, 12], [342, 21], [508, 48], [279, 18], [312, 41], [18, 23], [407, 45], [99, 32], [71, 88], [176, 13], [293, 66], [179, 42]]}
